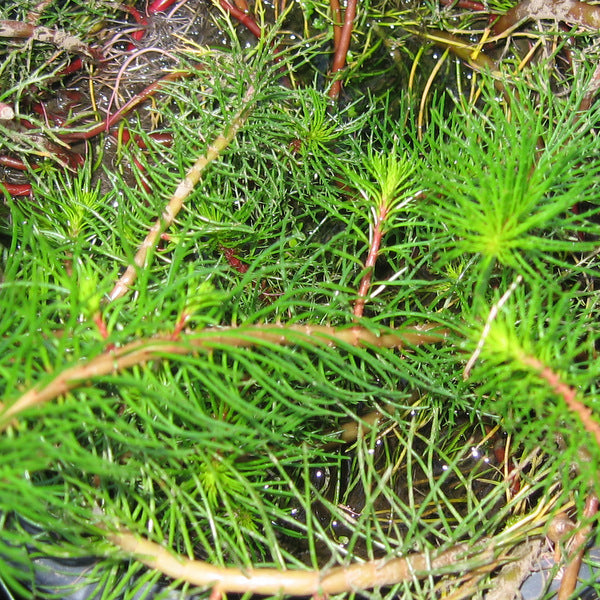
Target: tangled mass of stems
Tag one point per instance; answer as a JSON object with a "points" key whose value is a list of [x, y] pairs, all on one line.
{"points": [[308, 254]]}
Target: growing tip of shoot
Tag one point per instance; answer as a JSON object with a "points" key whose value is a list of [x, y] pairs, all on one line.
{"points": [[385, 181]]}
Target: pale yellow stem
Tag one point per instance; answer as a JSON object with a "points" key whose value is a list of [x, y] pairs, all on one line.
{"points": [[181, 193], [144, 350], [336, 580]]}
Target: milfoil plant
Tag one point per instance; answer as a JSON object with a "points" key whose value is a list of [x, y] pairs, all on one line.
{"points": [[306, 350]]}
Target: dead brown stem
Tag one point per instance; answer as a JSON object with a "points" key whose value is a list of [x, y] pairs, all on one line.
{"points": [[569, 11], [523, 560], [60, 39], [336, 580], [35, 13], [142, 351], [569, 579]]}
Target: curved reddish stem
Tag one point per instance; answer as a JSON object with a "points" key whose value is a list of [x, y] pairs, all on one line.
{"points": [[16, 189], [141, 20], [128, 106], [158, 6], [341, 52], [244, 18]]}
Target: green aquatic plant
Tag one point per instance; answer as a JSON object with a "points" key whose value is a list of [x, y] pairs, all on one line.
{"points": [[300, 349]]}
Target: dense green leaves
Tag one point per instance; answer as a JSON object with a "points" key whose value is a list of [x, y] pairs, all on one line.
{"points": [[507, 189], [491, 224]]}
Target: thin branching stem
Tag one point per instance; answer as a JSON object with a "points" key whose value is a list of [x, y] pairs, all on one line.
{"points": [[184, 189], [142, 351]]}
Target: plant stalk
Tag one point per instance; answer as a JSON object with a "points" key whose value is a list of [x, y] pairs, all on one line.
{"points": [[142, 351]]}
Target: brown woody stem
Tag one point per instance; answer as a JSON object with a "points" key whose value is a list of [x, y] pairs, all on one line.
{"points": [[182, 192], [336, 580], [142, 351]]}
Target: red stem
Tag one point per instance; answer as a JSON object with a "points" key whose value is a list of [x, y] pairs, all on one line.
{"points": [[180, 325], [140, 19], [341, 52], [242, 17], [359, 305], [100, 324], [15, 189], [71, 67], [13, 163], [336, 15], [159, 6], [242, 5], [233, 260]]}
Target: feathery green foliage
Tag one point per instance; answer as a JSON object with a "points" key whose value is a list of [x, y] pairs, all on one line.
{"points": [[225, 408]]}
